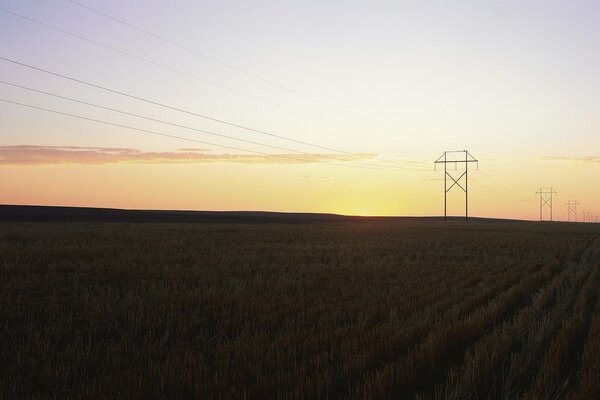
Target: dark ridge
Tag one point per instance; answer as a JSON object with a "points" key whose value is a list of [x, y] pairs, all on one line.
{"points": [[85, 214], [19, 213]]}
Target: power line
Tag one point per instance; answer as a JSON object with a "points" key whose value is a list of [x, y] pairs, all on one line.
{"points": [[179, 125], [146, 118], [492, 194], [179, 137], [148, 101], [498, 193], [507, 189], [175, 70], [220, 62]]}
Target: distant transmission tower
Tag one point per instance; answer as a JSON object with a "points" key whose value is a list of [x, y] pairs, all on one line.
{"points": [[546, 196], [572, 210], [443, 159], [587, 216]]}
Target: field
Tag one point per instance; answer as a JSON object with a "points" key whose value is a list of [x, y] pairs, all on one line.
{"points": [[361, 309]]}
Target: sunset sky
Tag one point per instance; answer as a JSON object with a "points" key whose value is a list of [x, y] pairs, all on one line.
{"points": [[378, 88]]}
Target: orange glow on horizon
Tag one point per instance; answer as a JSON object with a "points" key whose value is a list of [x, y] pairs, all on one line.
{"points": [[286, 188]]}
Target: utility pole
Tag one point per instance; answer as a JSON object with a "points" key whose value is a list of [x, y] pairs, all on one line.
{"points": [[456, 158], [546, 196], [572, 210]]}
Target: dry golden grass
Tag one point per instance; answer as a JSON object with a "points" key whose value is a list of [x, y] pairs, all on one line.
{"points": [[369, 309]]}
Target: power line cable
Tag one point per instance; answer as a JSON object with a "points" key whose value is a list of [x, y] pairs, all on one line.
{"points": [[498, 194], [490, 196], [503, 194], [495, 194], [507, 189], [410, 166], [175, 70], [220, 62], [181, 137], [183, 126]]}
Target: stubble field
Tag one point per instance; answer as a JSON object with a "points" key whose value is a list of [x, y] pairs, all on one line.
{"points": [[364, 309]]}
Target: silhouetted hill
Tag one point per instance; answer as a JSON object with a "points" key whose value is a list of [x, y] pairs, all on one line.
{"points": [[85, 214]]}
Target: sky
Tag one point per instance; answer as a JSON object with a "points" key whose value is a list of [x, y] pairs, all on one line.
{"points": [[329, 106]]}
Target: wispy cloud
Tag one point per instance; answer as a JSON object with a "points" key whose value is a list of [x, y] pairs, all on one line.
{"points": [[411, 161], [194, 149], [583, 160], [53, 155]]}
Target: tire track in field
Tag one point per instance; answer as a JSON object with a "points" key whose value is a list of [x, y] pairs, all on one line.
{"points": [[420, 327], [416, 369], [384, 353], [588, 385], [505, 370], [561, 346], [556, 372], [547, 329], [429, 386], [583, 335]]}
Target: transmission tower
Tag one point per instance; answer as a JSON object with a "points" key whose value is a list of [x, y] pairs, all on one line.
{"points": [[572, 210], [587, 216], [546, 196], [456, 158]]}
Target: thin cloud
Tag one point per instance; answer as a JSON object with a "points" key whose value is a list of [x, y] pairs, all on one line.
{"points": [[61, 155], [583, 160], [193, 149], [412, 161]]}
